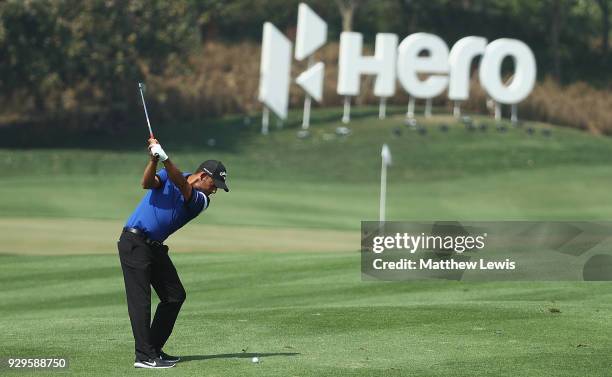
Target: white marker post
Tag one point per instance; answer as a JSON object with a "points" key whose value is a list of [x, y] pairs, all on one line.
{"points": [[386, 161]]}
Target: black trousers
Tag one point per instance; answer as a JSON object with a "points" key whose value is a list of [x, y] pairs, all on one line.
{"points": [[145, 266]]}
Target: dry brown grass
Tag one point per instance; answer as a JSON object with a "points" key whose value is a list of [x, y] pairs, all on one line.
{"points": [[577, 105]]}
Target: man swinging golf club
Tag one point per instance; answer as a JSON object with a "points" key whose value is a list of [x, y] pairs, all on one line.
{"points": [[173, 199]]}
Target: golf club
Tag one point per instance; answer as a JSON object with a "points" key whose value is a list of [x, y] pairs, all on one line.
{"points": [[141, 87]]}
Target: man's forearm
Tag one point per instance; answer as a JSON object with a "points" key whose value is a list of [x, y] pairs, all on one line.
{"points": [[176, 176], [148, 178]]}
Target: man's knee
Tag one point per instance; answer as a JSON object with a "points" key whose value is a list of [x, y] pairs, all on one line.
{"points": [[182, 296], [178, 297]]}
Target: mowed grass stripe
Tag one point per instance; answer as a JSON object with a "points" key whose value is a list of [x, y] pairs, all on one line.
{"points": [[316, 319], [86, 236], [569, 192]]}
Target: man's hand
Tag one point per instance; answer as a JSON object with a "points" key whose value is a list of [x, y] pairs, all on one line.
{"points": [[149, 179], [175, 175], [156, 150]]}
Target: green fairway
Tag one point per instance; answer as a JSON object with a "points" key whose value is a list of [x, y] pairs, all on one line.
{"points": [[308, 314], [271, 269]]}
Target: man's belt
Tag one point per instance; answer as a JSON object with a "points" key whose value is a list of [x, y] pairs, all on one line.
{"points": [[143, 236]]}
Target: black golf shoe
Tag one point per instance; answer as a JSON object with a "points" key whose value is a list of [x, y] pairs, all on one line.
{"points": [[156, 363], [171, 359]]}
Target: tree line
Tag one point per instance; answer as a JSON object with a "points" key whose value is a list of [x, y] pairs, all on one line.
{"points": [[61, 57]]}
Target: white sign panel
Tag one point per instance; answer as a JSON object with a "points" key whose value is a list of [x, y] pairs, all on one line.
{"points": [[275, 70], [311, 32]]}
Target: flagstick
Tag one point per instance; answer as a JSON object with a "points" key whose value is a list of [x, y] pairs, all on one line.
{"points": [[385, 155], [383, 190]]}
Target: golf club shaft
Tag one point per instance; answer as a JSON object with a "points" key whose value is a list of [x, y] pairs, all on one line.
{"points": [[145, 110]]}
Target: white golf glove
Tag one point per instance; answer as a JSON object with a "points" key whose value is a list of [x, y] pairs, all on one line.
{"points": [[157, 151]]}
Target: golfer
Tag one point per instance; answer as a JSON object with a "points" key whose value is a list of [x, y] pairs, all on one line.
{"points": [[173, 199]]}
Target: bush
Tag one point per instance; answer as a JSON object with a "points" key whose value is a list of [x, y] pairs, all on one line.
{"points": [[61, 57]]}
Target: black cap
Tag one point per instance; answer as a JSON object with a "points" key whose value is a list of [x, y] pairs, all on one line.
{"points": [[217, 171]]}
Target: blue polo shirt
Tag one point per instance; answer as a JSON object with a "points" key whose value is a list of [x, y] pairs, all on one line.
{"points": [[163, 211]]}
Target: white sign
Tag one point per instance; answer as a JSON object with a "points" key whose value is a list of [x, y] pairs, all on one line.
{"points": [[275, 70], [417, 55]]}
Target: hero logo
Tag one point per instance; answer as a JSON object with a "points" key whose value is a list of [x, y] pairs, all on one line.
{"points": [[406, 62]]}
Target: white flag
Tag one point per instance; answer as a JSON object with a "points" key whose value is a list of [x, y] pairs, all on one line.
{"points": [[386, 155]]}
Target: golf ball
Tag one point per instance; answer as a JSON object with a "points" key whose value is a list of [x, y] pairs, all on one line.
{"points": [[255, 359]]}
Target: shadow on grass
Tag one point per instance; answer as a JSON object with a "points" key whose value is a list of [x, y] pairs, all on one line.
{"points": [[224, 133], [241, 355]]}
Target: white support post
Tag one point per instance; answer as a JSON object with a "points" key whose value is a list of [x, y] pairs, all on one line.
{"points": [[497, 111], [457, 109], [346, 117], [382, 108], [307, 102], [410, 112], [306, 115], [514, 116], [265, 120], [428, 108]]}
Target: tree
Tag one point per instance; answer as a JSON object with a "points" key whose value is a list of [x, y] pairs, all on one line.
{"points": [[96, 49], [604, 6], [558, 10], [347, 12]]}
